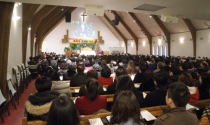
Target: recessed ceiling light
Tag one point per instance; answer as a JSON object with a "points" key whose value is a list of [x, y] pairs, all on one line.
{"points": [[134, 21], [61, 9], [150, 16]]}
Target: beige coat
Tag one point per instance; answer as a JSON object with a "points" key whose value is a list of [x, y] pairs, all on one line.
{"points": [[61, 87]]}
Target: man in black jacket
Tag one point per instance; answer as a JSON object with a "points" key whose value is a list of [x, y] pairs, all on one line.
{"points": [[80, 78], [111, 89], [157, 96]]}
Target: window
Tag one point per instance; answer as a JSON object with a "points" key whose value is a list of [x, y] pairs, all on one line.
{"points": [[157, 50], [166, 50], [160, 50]]}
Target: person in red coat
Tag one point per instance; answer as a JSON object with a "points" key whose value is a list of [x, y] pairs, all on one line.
{"points": [[92, 102], [187, 79], [105, 78]]}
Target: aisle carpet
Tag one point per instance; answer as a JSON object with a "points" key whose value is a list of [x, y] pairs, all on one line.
{"points": [[15, 117]]}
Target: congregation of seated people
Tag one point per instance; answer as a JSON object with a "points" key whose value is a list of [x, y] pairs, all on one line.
{"points": [[172, 81]]}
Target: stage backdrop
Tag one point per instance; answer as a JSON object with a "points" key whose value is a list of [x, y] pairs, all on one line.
{"points": [[79, 29]]}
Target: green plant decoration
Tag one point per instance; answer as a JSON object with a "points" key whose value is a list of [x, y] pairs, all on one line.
{"points": [[73, 46], [66, 49]]}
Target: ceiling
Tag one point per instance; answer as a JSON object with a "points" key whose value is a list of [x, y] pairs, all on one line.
{"points": [[196, 9], [199, 17]]}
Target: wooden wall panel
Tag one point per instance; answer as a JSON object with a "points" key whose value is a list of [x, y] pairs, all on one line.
{"points": [[37, 18], [28, 13], [51, 24], [6, 10]]}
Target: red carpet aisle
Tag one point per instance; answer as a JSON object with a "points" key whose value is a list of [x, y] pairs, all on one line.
{"points": [[15, 117]]}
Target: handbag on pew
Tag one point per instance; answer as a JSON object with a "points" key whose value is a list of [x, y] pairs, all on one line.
{"points": [[206, 115]]}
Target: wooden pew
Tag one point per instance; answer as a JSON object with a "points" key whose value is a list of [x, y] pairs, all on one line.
{"points": [[109, 97], [154, 110], [201, 103]]}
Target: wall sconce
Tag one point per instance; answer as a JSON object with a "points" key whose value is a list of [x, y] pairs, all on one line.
{"points": [[143, 43], [159, 41], [131, 44], [15, 18], [181, 40]]}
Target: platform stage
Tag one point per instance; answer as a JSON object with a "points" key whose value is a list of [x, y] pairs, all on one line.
{"points": [[85, 52]]}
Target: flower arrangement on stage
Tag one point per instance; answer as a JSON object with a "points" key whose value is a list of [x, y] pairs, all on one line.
{"points": [[100, 52]]}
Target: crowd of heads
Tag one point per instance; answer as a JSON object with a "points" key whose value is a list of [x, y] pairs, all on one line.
{"points": [[154, 68]]}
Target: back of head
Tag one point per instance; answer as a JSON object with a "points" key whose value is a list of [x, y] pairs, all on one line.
{"points": [[92, 88], [53, 75], [185, 65], [187, 79], [43, 84], [160, 65], [179, 93], [167, 62], [105, 72], [120, 71], [92, 74], [63, 112], [131, 68], [103, 62], [143, 68], [80, 68], [174, 69], [125, 106], [124, 82], [161, 77], [30, 58]]}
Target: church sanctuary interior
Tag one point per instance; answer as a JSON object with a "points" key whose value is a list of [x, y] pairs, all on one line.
{"points": [[174, 30]]}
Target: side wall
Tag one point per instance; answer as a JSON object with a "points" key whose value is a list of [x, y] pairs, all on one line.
{"points": [[203, 43], [15, 42], [179, 47]]}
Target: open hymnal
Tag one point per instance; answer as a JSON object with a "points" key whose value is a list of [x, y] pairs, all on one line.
{"points": [[147, 115], [188, 106], [95, 121], [144, 94]]}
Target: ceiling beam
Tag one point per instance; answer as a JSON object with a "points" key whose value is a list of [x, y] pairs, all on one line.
{"points": [[193, 33], [47, 19], [117, 30], [149, 36], [128, 29], [165, 31], [28, 13], [37, 18]]}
